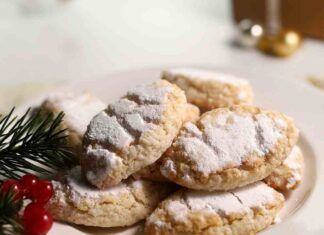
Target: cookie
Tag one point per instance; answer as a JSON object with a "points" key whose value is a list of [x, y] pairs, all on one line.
{"points": [[191, 113], [209, 89], [243, 211], [152, 172], [229, 148], [132, 133], [289, 175], [78, 110], [76, 201]]}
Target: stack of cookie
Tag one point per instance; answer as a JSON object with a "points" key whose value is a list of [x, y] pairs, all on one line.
{"points": [[223, 170]]}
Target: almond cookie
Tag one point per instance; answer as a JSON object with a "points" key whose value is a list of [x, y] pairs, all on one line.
{"points": [[209, 89], [152, 172], [78, 110], [289, 175], [132, 133], [191, 114], [76, 201], [243, 211], [229, 148]]}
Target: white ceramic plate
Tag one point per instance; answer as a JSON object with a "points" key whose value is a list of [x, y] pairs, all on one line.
{"points": [[304, 207]]}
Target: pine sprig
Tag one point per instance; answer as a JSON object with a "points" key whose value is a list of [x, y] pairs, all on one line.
{"points": [[9, 208], [33, 143]]}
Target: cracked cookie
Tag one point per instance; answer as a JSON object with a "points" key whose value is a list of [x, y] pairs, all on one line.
{"points": [[78, 110], [76, 201], [132, 133], [152, 172], [243, 211], [208, 89], [229, 148], [289, 175]]}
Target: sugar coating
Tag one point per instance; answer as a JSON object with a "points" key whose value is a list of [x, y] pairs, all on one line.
{"points": [[208, 75], [75, 201], [226, 141], [178, 210], [105, 161], [255, 195], [58, 188], [242, 201], [295, 166], [121, 125], [222, 203], [289, 174], [292, 160], [125, 107], [80, 190], [106, 129], [268, 132], [169, 167], [79, 109], [149, 93]]}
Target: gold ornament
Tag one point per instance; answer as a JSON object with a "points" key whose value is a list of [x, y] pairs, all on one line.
{"points": [[284, 44]]}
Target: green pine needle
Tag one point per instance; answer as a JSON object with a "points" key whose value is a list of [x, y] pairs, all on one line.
{"points": [[10, 224], [34, 144]]}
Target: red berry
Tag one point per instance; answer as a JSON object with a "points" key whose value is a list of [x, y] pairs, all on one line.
{"points": [[15, 186], [37, 221], [28, 182], [42, 192]]}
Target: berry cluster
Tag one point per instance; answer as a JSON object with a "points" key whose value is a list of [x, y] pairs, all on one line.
{"points": [[36, 220]]}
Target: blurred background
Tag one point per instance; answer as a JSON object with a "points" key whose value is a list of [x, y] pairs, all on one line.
{"points": [[44, 43]]}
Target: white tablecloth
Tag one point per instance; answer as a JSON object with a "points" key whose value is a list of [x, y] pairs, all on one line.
{"points": [[82, 39]]}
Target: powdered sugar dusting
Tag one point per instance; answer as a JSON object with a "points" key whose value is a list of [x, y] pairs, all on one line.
{"points": [[281, 123], [241, 201], [267, 132], [168, 168], [79, 190], [191, 130], [222, 203], [107, 130], [292, 160], [136, 123], [211, 148], [153, 93], [124, 121], [79, 109], [255, 195], [154, 219], [58, 194], [105, 160], [202, 154], [177, 210], [207, 75], [295, 165], [138, 184]]}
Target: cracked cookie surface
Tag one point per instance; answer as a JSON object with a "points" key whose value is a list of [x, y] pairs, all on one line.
{"points": [[209, 89], [152, 172], [242, 211], [229, 148], [75, 201], [132, 133]]}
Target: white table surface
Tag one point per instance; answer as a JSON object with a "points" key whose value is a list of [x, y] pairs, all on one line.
{"points": [[83, 39]]}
